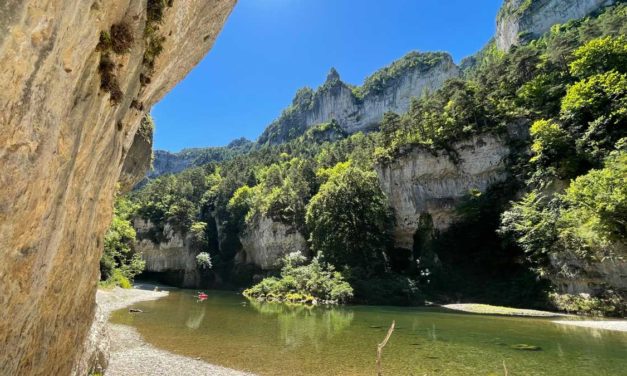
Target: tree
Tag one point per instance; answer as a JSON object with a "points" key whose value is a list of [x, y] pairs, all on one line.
{"points": [[390, 124], [350, 221], [594, 111], [119, 262], [599, 56]]}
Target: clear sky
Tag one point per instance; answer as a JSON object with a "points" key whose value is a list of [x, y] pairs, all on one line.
{"points": [[270, 48]]}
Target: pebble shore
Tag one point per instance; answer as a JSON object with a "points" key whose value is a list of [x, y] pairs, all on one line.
{"points": [[131, 355]]}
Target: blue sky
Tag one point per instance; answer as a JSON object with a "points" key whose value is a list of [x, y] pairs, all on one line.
{"points": [[270, 48]]}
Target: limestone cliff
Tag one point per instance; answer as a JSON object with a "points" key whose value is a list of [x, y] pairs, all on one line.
{"points": [[422, 182], [362, 108], [521, 20], [266, 241], [172, 253], [69, 113]]}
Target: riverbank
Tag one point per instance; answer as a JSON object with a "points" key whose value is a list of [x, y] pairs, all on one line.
{"points": [[131, 355], [615, 325], [486, 309]]}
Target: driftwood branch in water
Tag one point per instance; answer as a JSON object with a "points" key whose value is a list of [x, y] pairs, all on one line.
{"points": [[382, 345]]}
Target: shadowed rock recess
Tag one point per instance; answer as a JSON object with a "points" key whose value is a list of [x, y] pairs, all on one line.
{"points": [[63, 145]]}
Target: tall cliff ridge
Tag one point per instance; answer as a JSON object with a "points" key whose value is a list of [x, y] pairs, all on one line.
{"points": [[362, 108], [77, 78], [422, 183], [522, 20]]}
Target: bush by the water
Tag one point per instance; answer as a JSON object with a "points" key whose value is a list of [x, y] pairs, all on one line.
{"points": [[316, 282]]}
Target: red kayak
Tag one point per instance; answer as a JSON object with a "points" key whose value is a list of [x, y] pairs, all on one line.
{"points": [[202, 296]]}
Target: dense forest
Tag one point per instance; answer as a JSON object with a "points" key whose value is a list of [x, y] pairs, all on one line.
{"points": [[566, 192]]}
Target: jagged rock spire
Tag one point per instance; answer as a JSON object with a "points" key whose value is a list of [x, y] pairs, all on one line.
{"points": [[333, 75]]}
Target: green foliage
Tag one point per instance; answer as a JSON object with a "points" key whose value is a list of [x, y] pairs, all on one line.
{"points": [[152, 36], [119, 263], [552, 146], [587, 222], [595, 206], [599, 56], [349, 220], [584, 304], [532, 221], [118, 279], [317, 282]]}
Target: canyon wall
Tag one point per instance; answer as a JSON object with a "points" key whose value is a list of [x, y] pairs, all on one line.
{"points": [[173, 253], [421, 181], [68, 116], [522, 20], [266, 241]]}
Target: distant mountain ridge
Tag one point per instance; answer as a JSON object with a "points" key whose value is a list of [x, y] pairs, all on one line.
{"points": [[166, 162]]}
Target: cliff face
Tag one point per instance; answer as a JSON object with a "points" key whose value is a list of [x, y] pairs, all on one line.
{"points": [[267, 241], [421, 182], [573, 275], [362, 108], [172, 254], [527, 19], [63, 145]]}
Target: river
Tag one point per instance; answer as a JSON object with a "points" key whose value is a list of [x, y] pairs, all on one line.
{"points": [[275, 339]]}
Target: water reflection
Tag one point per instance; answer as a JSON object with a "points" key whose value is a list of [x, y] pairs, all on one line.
{"points": [[304, 325], [196, 317]]}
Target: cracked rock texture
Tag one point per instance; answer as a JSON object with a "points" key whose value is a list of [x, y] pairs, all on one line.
{"points": [[63, 146]]}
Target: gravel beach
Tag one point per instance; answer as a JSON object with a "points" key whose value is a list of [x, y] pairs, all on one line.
{"points": [[486, 309], [616, 325], [131, 355]]}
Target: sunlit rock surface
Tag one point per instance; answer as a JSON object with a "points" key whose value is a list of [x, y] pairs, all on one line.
{"points": [[421, 182], [336, 100], [62, 149], [266, 241]]}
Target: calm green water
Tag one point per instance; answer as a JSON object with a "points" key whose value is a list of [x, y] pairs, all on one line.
{"points": [[270, 339]]}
